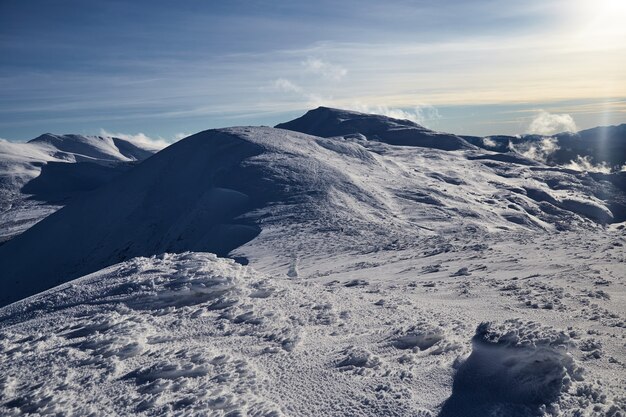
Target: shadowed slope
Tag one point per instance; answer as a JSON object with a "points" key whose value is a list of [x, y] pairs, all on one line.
{"points": [[39, 176], [186, 197], [327, 122]]}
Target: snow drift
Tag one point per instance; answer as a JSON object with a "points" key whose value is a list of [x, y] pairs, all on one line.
{"points": [[127, 343], [515, 369]]}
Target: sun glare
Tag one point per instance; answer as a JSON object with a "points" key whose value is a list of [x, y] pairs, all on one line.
{"points": [[602, 23]]}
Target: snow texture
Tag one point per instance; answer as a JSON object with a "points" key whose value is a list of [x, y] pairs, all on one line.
{"points": [[219, 189], [385, 277]]}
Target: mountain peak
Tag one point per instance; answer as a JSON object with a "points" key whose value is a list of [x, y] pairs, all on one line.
{"points": [[330, 122], [345, 114], [92, 148]]}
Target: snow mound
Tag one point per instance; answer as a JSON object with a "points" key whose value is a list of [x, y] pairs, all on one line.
{"points": [[516, 369], [158, 329], [419, 337], [329, 122], [358, 359]]}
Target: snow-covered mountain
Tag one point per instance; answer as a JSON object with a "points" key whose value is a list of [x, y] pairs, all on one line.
{"points": [[79, 148], [392, 270], [329, 122], [600, 149], [38, 176], [219, 189]]}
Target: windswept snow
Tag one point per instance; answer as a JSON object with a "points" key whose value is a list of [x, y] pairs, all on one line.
{"points": [[392, 271], [219, 189], [98, 148], [39, 176], [328, 122], [195, 334], [601, 149]]}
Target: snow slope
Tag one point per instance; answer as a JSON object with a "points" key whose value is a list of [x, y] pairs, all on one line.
{"points": [[601, 147], [219, 189], [381, 280], [39, 176], [187, 197], [100, 148], [533, 327]]}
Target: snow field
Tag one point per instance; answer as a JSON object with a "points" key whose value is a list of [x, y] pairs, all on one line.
{"points": [[196, 334]]}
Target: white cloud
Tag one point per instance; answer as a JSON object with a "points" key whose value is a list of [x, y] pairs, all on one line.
{"points": [[488, 142], [181, 135], [583, 163], [142, 139], [422, 114], [286, 86], [538, 151], [548, 124], [325, 69]]}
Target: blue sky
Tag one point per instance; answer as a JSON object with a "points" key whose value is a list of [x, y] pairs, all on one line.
{"points": [[168, 68]]}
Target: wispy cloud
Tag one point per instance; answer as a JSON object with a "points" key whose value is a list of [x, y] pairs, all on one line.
{"points": [[325, 69], [284, 85], [143, 139], [488, 142], [546, 123], [397, 53], [180, 135], [538, 151], [307, 98], [585, 164], [422, 114]]}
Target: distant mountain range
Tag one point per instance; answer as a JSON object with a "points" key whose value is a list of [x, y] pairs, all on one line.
{"points": [[38, 176], [600, 145]]}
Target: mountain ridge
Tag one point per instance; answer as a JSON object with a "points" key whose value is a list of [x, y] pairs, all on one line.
{"points": [[39, 176], [242, 189], [329, 122]]}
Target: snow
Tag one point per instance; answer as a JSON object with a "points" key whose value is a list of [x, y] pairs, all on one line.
{"points": [[601, 149], [263, 183], [381, 280], [38, 177], [193, 333], [516, 367], [100, 148], [328, 122]]}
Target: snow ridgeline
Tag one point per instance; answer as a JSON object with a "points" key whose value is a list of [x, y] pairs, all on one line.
{"points": [[39, 176], [244, 189], [192, 196], [194, 334]]}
